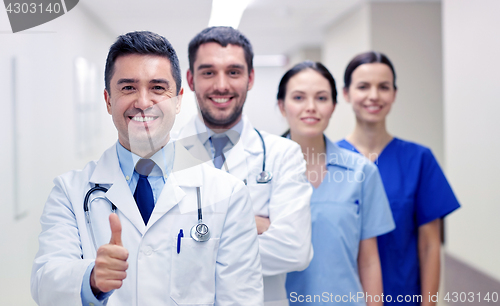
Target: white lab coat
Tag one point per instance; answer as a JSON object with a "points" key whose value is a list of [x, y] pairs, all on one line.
{"points": [[286, 245], [222, 271]]}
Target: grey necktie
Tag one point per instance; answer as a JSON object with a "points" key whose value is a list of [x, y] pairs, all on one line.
{"points": [[219, 143]]}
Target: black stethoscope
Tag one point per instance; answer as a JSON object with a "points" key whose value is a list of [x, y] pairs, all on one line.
{"points": [[199, 232], [264, 176]]}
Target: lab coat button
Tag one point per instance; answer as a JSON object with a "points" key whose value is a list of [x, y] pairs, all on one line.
{"points": [[147, 251], [91, 304]]}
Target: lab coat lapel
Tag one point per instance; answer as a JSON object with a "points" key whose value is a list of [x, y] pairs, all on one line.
{"points": [[108, 171], [249, 146], [241, 156], [186, 172], [236, 160], [188, 137]]}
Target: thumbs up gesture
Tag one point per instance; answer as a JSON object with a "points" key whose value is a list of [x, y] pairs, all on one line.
{"points": [[111, 261]]}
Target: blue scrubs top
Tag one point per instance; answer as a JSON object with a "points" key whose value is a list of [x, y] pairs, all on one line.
{"points": [[350, 205], [418, 193]]}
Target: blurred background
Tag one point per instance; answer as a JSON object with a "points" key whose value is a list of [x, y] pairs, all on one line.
{"points": [[447, 59]]}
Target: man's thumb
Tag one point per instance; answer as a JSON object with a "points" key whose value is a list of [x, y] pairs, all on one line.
{"points": [[116, 230]]}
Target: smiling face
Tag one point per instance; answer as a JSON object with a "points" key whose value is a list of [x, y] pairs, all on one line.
{"points": [[142, 102], [220, 80], [371, 92], [308, 104]]}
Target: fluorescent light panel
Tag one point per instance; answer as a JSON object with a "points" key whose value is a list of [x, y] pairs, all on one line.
{"points": [[227, 12]]}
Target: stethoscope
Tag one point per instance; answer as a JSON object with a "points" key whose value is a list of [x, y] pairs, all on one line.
{"points": [[264, 176], [199, 232]]}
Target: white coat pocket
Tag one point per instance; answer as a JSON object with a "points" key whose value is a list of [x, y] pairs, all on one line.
{"points": [[193, 272]]}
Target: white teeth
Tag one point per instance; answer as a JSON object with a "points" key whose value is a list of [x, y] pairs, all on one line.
{"points": [[373, 107], [142, 119], [310, 119], [224, 100]]}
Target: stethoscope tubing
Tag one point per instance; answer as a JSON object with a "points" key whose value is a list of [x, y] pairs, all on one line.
{"points": [[265, 176], [196, 233]]}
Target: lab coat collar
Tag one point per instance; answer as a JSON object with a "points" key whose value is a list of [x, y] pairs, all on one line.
{"points": [[233, 133], [186, 172], [250, 138], [108, 172], [236, 157]]}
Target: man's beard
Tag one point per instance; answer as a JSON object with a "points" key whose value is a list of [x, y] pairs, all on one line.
{"points": [[222, 123]]}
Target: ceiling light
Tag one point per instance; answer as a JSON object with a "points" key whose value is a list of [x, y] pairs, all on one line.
{"points": [[227, 12]]}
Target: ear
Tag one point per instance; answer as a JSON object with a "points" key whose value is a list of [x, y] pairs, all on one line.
{"points": [[107, 98], [346, 95], [251, 78], [189, 77], [281, 105], [179, 101]]}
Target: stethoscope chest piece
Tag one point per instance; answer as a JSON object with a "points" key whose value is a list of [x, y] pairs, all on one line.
{"points": [[200, 232], [264, 177]]}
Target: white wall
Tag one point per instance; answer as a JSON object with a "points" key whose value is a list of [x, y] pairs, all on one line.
{"points": [[344, 39], [471, 46], [46, 131], [261, 106], [410, 35]]}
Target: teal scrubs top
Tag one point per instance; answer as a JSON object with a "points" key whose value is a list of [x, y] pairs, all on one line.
{"points": [[418, 193], [350, 205]]}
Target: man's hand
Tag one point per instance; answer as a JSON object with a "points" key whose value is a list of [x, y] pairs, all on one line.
{"points": [[262, 223], [111, 261]]}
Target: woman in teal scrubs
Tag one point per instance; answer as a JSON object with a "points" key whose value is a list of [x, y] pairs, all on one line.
{"points": [[349, 208], [418, 191]]}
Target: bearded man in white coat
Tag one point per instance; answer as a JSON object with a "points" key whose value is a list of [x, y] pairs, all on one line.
{"points": [[272, 167], [144, 253]]}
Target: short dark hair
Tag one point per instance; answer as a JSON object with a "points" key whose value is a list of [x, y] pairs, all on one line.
{"points": [[223, 36], [143, 43], [316, 66], [367, 58]]}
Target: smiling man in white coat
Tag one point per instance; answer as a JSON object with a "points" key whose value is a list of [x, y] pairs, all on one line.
{"points": [[272, 167], [183, 233]]}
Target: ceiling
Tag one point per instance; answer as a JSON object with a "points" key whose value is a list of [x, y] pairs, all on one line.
{"points": [[273, 26]]}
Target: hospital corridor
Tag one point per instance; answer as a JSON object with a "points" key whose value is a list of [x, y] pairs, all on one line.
{"points": [[75, 78]]}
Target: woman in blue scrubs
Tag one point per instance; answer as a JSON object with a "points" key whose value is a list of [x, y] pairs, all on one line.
{"points": [[418, 191], [349, 207]]}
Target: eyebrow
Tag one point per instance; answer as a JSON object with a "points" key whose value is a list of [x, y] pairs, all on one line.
{"points": [[233, 66], [121, 81], [160, 81], [153, 81], [237, 66], [204, 66]]}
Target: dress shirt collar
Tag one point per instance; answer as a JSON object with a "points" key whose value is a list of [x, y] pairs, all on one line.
{"points": [[204, 133], [163, 159]]}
